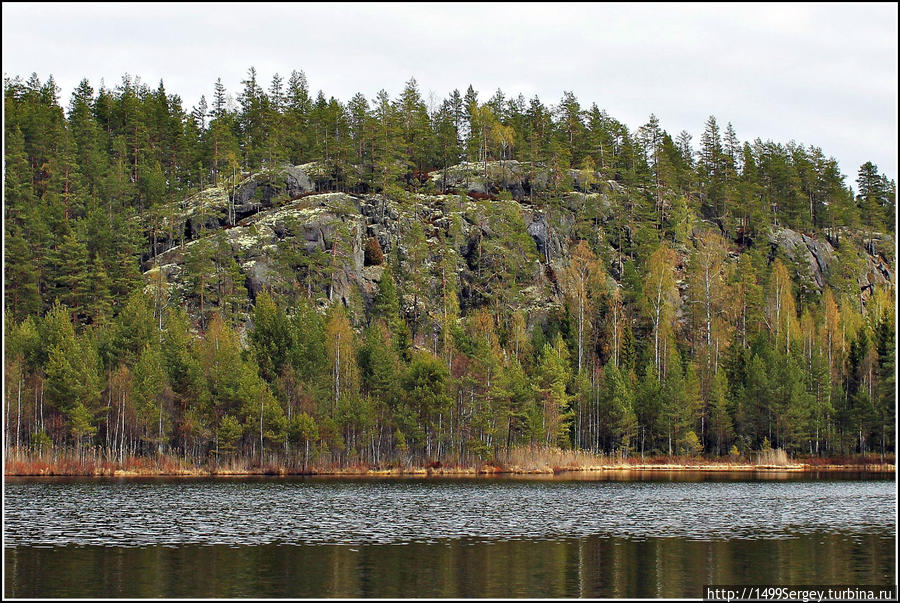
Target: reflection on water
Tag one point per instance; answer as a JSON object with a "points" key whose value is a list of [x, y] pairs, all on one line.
{"points": [[588, 567], [441, 538]]}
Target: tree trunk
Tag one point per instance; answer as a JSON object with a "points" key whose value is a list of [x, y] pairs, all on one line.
{"points": [[160, 428], [18, 415]]}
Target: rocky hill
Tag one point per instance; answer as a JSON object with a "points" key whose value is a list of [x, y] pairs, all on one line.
{"points": [[281, 233]]}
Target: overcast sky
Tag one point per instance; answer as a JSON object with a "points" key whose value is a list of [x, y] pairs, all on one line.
{"points": [[823, 75]]}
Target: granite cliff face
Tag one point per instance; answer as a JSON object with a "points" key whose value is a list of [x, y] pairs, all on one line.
{"points": [[283, 234], [816, 257]]}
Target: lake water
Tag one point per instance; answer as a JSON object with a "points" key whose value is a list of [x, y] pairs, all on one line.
{"points": [[650, 535]]}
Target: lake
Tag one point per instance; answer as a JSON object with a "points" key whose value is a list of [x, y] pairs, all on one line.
{"points": [[570, 535]]}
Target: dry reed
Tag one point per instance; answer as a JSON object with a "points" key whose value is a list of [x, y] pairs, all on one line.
{"points": [[519, 460]]}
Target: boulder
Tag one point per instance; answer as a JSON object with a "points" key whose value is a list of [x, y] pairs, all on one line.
{"points": [[517, 178], [261, 190]]}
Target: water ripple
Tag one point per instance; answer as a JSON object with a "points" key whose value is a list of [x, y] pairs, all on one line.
{"points": [[126, 513]]}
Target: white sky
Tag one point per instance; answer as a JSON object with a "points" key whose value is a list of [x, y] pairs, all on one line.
{"points": [[818, 74]]}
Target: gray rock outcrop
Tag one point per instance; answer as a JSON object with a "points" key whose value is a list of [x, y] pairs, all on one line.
{"points": [[813, 253]]}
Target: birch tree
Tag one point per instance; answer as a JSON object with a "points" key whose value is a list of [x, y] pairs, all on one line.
{"points": [[582, 279], [659, 296], [340, 347], [781, 308], [708, 277]]}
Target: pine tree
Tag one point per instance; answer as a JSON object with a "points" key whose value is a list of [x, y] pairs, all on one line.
{"points": [[710, 169], [872, 199], [553, 377], [70, 275]]}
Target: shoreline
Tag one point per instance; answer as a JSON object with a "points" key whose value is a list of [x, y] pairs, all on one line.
{"points": [[484, 470]]}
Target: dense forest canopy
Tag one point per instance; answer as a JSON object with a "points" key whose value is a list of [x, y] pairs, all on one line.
{"points": [[494, 272]]}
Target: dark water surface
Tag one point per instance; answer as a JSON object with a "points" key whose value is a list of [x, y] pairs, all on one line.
{"points": [[646, 536]]}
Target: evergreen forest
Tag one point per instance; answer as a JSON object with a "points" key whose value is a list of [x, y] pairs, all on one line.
{"points": [[283, 278]]}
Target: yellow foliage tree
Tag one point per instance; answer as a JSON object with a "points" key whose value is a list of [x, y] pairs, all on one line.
{"points": [[581, 279], [660, 296], [340, 347], [781, 308]]}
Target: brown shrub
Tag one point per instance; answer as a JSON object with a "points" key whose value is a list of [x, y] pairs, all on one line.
{"points": [[484, 197], [374, 254], [550, 273]]}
